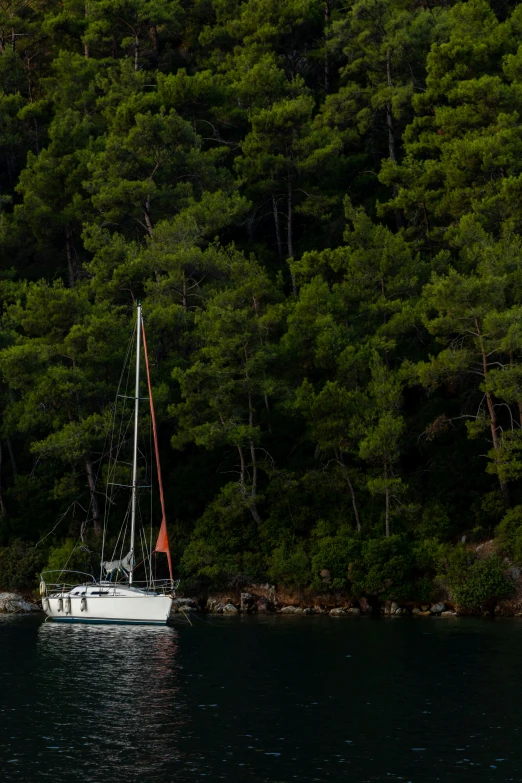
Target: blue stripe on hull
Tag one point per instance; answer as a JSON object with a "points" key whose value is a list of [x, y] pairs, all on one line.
{"points": [[111, 622]]}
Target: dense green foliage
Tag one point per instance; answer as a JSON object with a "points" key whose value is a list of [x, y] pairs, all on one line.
{"points": [[319, 203]]}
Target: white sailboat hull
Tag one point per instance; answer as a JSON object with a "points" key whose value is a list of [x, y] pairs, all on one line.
{"points": [[126, 605]]}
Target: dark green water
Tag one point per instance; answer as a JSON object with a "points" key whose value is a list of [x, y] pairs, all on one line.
{"points": [[262, 699]]}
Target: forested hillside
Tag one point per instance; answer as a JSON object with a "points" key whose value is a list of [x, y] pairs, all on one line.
{"points": [[319, 205]]}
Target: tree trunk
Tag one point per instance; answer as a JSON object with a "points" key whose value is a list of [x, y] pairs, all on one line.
{"points": [[86, 45], [252, 449], [496, 441], [242, 466], [253, 457], [184, 294], [154, 37], [255, 513], [389, 118], [340, 460], [277, 228], [70, 257], [253, 494], [146, 213], [391, 140], [249, 498], [29, 82], [391, 137], [492, 413], [290, 237], [254, 468], [136, 53], [96, 518]]}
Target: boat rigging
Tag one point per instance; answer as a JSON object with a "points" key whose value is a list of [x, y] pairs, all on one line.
{"points": [[116, 597]]}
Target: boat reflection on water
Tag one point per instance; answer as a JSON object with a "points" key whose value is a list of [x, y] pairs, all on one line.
{"points": [[115, 711]]}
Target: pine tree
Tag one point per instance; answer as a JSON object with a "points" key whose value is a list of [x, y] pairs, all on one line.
{"points": [[226, 390]]}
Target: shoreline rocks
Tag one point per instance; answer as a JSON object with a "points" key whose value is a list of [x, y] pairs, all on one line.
{"points": [[13, 603], [266, 599], [247, 603], [184, 605]]}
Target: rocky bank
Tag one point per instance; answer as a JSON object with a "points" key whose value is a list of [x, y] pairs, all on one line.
{"points": [[12, 603], [269, 599]]}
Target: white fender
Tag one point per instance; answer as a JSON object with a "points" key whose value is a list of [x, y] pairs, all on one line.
{"points": [[83, 603], [60, 604], [45, 604], [67, 604]]}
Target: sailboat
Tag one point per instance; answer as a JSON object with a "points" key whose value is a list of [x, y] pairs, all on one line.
{"points": [[116, 597]]}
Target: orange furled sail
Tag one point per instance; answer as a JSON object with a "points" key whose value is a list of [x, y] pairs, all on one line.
{"points": [[162, 544]]}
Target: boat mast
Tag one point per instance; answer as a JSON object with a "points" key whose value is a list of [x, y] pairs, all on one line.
{"points": [[135, 452], [162, 544]]}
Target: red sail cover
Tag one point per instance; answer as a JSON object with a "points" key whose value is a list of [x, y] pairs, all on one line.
{"points": [[162, 544]]}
